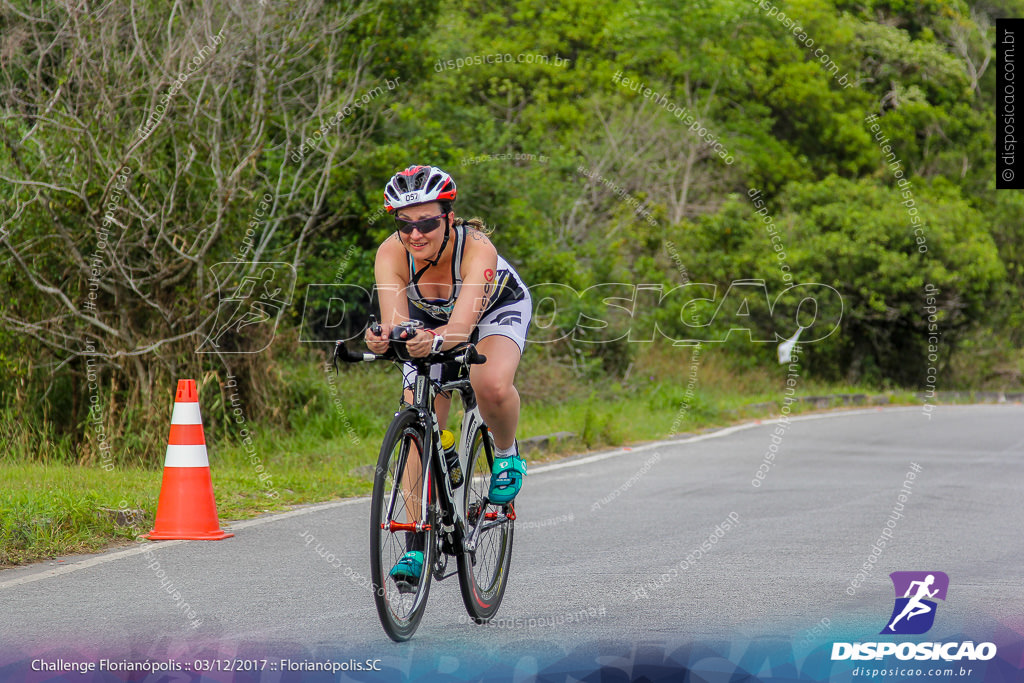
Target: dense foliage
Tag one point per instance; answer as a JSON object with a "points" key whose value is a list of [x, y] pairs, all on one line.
{"points": [[180, 181]]}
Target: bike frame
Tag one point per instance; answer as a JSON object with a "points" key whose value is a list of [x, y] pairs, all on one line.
{"points": [[452, 520], [471, 421], [453, 514]]}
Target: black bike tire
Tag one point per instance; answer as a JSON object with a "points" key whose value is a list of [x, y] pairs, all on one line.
{"points": [[482, 606], [397, 630]]}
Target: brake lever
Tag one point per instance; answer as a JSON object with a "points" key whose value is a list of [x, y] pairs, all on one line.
{"points": [[334, 356], [470, 356], [375, 327]]}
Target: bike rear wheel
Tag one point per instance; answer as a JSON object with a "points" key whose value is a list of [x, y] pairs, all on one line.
{"points": [[397, 495], [483, 573]]}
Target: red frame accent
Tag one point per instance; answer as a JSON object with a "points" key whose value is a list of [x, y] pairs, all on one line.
{"points": [[394, 526], [493, 514]]}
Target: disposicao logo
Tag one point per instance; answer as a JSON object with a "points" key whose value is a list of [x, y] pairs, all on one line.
{"points": [[914, 611], [913, 614]]}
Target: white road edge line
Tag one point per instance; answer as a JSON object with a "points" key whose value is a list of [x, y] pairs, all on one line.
{"points": [[111, 557], [160, 545], [725, 431]]}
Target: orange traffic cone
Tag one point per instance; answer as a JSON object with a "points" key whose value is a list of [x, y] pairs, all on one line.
{"points": [[186, 508]]}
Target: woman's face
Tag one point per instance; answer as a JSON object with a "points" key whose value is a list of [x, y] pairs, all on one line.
{"points": [[417, 243]]}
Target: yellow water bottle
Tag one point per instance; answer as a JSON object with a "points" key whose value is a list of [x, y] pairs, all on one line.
{"points": [[451, 456]]}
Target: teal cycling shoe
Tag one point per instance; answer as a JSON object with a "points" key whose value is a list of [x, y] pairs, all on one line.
{"points": [[407, 571], [506, 479]]}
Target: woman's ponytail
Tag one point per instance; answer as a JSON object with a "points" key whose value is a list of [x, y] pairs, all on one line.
{"points": [[474, 223]]}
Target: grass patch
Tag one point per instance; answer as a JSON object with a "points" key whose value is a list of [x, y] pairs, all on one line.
{"points": [[49, 508], [54, 509]]}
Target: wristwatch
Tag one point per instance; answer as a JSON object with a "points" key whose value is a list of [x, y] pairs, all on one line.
{"points": [[435, 346]]}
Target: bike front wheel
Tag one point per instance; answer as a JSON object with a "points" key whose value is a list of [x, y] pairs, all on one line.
{"points": [[483, 571], [396, 509]]}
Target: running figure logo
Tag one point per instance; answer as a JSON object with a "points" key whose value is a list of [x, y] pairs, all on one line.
{"points": [[914, 612], [253, 295]]}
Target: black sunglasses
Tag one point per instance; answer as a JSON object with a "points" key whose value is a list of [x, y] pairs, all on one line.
{"points": [[424, 225]]}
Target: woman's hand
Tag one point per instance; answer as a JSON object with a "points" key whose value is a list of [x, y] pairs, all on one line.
{"points": [[378, 343], [419, 346]]}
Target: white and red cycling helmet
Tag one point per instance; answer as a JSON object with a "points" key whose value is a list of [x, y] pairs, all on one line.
{"points": [[419, 185]]}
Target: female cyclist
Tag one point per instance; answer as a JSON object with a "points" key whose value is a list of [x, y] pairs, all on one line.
{"points": [[444, 272]]}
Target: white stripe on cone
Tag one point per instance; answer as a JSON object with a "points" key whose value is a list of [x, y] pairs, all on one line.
{"points": [[186, 414], [186, 456]]}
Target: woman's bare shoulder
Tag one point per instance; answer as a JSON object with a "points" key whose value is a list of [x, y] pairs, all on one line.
{"points": [[478, 241], [391, 257], [391, 249]]}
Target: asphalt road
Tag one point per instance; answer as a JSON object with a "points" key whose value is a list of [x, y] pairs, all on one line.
{"points": [[604, 552]]}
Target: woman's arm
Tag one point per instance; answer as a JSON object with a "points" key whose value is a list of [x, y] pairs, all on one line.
{"points": [[389, 271], [479, 262]]}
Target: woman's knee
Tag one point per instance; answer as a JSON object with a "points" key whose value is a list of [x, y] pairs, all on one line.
{"points": [[493, 391]]}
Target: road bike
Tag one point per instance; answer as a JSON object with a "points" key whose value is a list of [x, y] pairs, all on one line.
{"points": [[457, 522]]}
